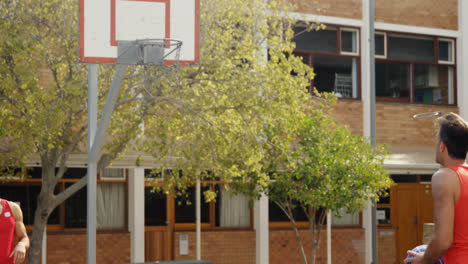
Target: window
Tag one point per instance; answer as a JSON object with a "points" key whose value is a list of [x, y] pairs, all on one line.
{"points": [[26, 197], [392, 80], [383, 210], [446, 54], [228, 211], [185, 207], [72, 213], [433, 84], [414, 69], [334, 55], [277, 215], [155, 207], [381, 45], [345, 218], [336, 74], [349, 41], [410, 48], [231, 210], [322, 40]]}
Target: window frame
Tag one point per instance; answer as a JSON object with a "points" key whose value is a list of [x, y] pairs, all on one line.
{"points": [[211, 225], [452, 59], [411, 63], [384, 34], [358, 44], [62, 207]]}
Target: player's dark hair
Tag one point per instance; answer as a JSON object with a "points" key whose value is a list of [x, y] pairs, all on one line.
{"points": [[453, 131]]}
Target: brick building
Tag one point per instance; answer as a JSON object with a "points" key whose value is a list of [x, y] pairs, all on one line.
{"points": [[419, 68]]}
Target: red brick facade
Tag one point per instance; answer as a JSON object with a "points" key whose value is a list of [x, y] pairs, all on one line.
{"points": [[235, 247], [70, 248], [422, 13], [395, 124]]}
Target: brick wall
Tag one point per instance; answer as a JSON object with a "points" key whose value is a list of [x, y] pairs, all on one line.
{"points": [[423, 13], [235, 247], [337, 8], [386, 247], [220, 247], [70, 248], [395, 124], [349, 113]]}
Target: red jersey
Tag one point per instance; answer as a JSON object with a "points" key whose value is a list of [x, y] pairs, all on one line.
{"points": [[458, 251], [7, 233]]}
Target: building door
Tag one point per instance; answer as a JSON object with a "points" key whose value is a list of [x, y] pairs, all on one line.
{"points": [[413, 208], [159, 226]]}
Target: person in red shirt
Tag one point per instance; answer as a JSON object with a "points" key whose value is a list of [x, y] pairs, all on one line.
{"points": [[450, 193], [11, 225]]}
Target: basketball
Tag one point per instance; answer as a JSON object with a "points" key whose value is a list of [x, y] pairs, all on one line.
{"points": [[422, 248]]}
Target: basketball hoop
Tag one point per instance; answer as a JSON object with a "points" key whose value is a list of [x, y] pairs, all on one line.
{"points": [[428, 114], [148, 51]]}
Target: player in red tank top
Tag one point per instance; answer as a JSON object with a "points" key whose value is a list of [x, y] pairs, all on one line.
{"points": [[11, 224], [450, 194]]}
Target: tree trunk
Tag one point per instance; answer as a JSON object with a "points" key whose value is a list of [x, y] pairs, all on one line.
{"points": [[299, 242], [40, 222], [45, 205]]}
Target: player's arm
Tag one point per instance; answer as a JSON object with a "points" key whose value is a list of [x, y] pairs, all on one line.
{"points": [[19, 252], [444, 187]]}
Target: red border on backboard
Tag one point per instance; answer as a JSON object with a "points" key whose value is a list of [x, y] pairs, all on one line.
{"points": [[84, 59], [168, 18]]}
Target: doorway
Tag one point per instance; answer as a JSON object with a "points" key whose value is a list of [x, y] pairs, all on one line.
{"points": [[159, 226], [413, 207]]}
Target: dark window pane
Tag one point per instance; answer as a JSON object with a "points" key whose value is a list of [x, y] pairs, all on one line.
{"points": [[349, 41], [185, 208], [76, 209], [392, 80], [410, 49], [404, 178], [322, 40], [152, 174], [444, 51], [383, 216], [74, 173], [433, 84], [380, 44], [26, 195], [277, 215], [336, 74], [385, 197], [426, 178], [155, 207], [34, 172]]}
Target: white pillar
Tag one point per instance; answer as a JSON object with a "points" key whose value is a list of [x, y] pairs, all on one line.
{"points": [[136, 216], [261, 221], [462, 58], [366, 117]]}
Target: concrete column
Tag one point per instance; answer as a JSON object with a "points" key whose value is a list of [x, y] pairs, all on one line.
{"points": [[136, 214], [366, 118], [261, 221], [462, 58]]}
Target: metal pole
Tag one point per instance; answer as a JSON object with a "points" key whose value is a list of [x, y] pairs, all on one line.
{"points": [[329, 239], [198, 219], [91, 194], [372, 116], [44, 246], [108, 109]]}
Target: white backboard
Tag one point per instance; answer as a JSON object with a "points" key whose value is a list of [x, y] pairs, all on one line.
{"points": [[102, 23]]}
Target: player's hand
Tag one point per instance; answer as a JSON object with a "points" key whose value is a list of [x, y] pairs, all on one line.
{"points": [[416, 259], [18, 254]]}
